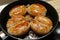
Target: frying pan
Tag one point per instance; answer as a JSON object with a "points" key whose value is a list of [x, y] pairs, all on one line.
{"points": [[51, 13]]}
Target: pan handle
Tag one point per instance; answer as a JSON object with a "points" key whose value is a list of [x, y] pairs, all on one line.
{"points": [[3, 35]]}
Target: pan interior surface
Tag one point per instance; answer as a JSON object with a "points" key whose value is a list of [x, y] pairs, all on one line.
{"points": [[51, 13]]}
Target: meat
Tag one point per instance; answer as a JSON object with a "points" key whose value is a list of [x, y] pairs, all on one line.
{"points": [[18, 10], [19, 29], [41, 25], [37, 9]]}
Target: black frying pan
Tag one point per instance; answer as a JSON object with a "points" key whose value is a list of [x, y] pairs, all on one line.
{"points": [[51, 13]]}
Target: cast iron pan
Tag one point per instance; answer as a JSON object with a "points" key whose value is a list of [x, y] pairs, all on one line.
{"points": [[51, 13]]}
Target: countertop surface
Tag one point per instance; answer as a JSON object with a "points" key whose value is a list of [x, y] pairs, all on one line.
{"points": [[54, 3]]}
